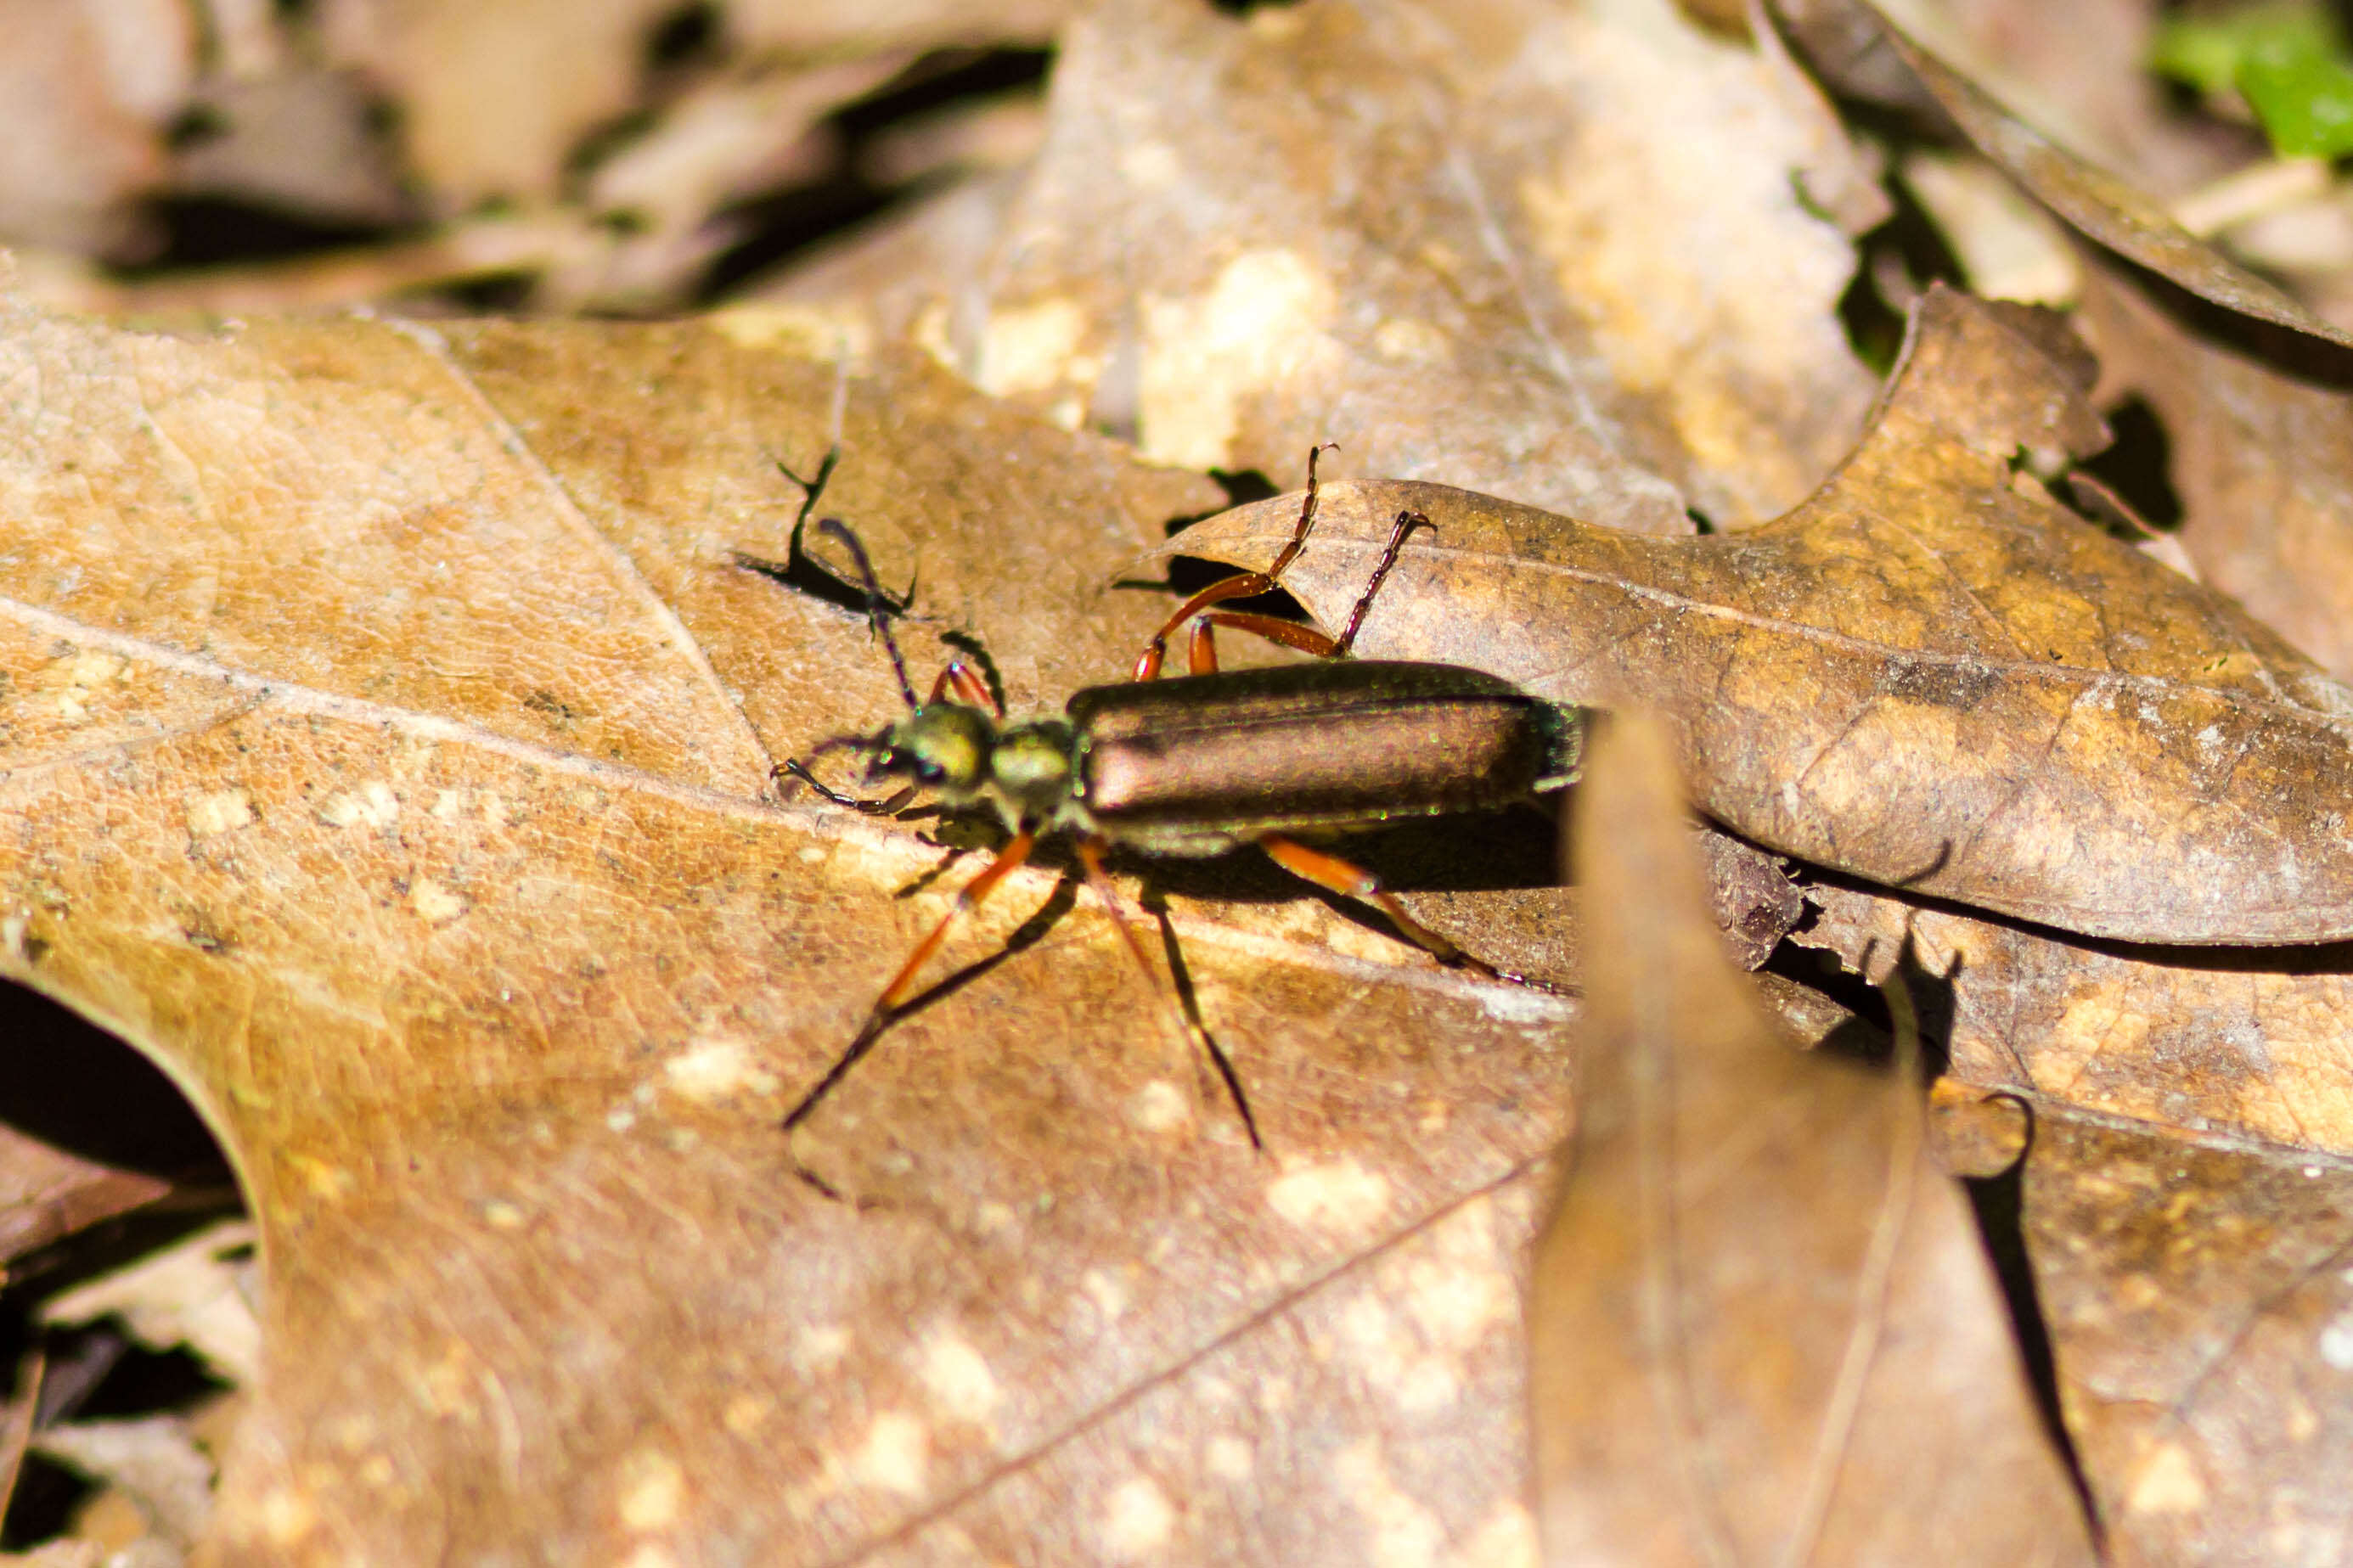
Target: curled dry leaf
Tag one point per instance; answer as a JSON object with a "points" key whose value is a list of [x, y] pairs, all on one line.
{"points": [[385, 736], [1762, 1328], [1554, 254], [1929, 674]]}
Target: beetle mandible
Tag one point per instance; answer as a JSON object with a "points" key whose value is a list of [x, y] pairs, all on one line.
{"points": [[1201, 763]]}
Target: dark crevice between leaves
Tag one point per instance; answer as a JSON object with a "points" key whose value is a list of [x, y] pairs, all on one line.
{"points": [[1895, 262], [183, 233], [687, 38], [1868, 1035], [782, 225], [2137, 466], [1999, 1203], [81, 1090], [2287, 349]]}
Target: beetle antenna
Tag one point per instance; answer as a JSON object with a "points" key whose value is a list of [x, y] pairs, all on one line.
{"points": [[876, 614], [798, 768]]}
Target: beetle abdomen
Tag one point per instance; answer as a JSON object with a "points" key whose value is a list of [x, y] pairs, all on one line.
{"points": [[1198, 763]]}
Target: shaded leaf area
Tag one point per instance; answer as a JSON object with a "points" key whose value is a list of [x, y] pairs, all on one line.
{"points": [[48, 1194], [2261, 457], [1929, 674], [1557, 256], [1757, 1284], [386, 732]]}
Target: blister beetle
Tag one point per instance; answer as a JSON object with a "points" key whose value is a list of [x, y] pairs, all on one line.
{"points": [[1209, 762]]}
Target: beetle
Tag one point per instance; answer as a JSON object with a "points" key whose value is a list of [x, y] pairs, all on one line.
{"points": [[1209, 762]]}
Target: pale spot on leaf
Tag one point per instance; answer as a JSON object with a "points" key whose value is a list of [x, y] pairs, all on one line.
{"points": [[711, 1068], [1341, 1195], [436, 904], [1261, 323], [653, 1490], [1137, 1519], [958, 1377], [2167, 1483], [222, 811], [897, 1450]]}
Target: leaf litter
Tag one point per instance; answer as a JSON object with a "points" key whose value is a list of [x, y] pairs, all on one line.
{"points": [[1556, 256], [270, 558]]}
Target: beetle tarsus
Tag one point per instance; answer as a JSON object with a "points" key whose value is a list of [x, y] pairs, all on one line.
{"points": [[1091, 858], [1406, 522]]}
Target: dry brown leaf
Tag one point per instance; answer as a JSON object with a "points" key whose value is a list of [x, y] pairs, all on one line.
{"points": [[2200, 1307], [2185, 1195], [2081, 74], [497, 95], [17, 1417], [387, 732], [48, 1194], [1929, 674], [818, 28], [1555, 255], [1757, 1286], [2244, 1043], [2261, 457]]}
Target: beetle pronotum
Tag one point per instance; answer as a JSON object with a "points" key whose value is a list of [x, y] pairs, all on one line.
{"points": [[1201, 763]]}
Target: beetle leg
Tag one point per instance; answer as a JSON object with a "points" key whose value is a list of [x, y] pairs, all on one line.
{"points": [[1351, 881], [1202, 654], [895, 994], [1241, 587], [1090, 856], [970, 689]]}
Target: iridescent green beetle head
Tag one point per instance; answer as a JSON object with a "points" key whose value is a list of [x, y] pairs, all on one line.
{"points": [[943, 746]]}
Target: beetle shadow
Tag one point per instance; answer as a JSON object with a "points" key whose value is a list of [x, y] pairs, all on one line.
{"points": [[1469, 852]]}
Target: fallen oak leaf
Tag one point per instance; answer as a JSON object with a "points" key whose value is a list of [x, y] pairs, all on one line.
{"points": [[2183, 1204], [386, 732], [1930, 674], [1756, 1282], [2260, 452], [2242, 1043]]}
